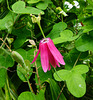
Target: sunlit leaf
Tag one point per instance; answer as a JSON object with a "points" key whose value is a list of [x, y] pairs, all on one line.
{"points": [[19, 8]]}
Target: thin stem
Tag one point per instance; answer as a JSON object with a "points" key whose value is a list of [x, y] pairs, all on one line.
{"points": [[60, 91], [41, 30], [8, 6], [2, 94], [31, 90], [5, 44], [57, 74], [77, 60], [29, 85], [7, 90], [37, 70], [4, 40]]}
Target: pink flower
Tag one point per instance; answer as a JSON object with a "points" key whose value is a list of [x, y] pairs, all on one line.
{"points": [[49, 54]]}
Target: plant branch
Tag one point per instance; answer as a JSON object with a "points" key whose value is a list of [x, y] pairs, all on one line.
{"points": [[77, 60], [4, 40], [60, 91], [37, 71], [5, 44]]}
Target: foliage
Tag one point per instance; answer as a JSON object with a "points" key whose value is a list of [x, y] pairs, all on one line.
{"points": [[70, 26]]}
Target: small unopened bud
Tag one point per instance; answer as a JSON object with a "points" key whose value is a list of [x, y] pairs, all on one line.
{"points": [[36, 19], [61, 11], [32, 42], [18, 58]]}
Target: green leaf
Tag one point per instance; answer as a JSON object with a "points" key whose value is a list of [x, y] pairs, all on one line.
{"points": [[32, 1], [61, 75], [40, 96], [44, 76], [7, 21], [2, 77], [26, 96], [66, 35], [57, 29], [55, 90], [9, 61], [43, 5], [24, 73], [19, 8], [81, 69], [84, 43], [76, 85], [6, 61], [70, 58], [87, 28], [2, 61]]}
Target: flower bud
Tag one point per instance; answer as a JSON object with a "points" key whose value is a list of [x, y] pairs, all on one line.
{"points": [[18, 58]]}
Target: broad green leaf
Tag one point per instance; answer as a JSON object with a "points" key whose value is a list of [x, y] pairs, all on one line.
{"points": [[19, 8], [76, 85], [65, 36], [9, 61], [43, 5], [84, 43], [32, 1], [44, 76], [6, 61], [87, 28], [24, 73], [81, 69], [7, 21], [61, 75], [55, 90], [70, 58], [57, 29], [88, 23], [22, 34], [2, 77], [2, 61], [21, 72], [40, 96], [26, 96]]}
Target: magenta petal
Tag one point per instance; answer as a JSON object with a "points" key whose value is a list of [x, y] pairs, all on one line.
{"points": [[36, 56], [57, 64], [49, 67], [51, 59], [44, 56], [55, 52]]}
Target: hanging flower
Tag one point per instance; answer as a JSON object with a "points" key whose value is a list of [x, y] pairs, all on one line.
{"points": [[49, 55]]}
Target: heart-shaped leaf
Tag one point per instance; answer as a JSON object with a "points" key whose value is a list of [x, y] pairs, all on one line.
{"points": [[66, 35], [76, 85], [19, 8], [84, 43], [81, 69]]}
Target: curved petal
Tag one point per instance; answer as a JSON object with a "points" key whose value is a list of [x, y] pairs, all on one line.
{"points": [[57, 64], [55, 52], [49, 67], [51, 59], [44, 56], [36, 56]]}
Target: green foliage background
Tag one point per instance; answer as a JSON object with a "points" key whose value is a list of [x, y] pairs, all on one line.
{"points": [[70, 28]]}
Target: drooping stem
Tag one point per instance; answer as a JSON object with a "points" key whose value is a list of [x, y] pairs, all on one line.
{"points": [[76, 60], [41, 30]]}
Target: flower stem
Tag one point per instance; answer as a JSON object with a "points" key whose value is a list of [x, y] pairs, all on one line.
{"points": [[41, 30]]}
